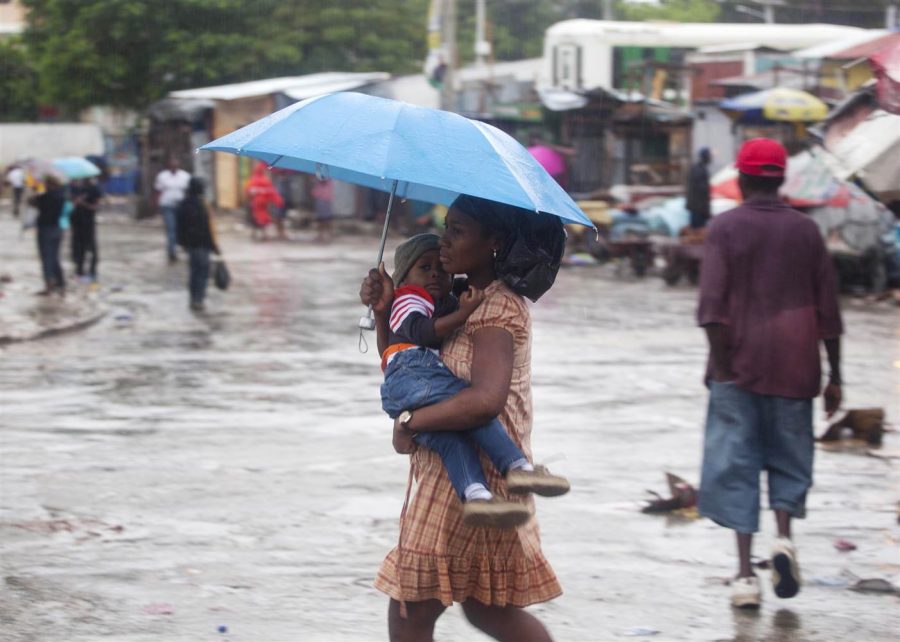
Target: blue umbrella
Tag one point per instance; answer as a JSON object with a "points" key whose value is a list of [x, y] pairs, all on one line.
{"points": [[76, 167], [412, 152]]}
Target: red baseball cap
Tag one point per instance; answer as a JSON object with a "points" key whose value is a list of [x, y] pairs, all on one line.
{"points": [[762, 157]]}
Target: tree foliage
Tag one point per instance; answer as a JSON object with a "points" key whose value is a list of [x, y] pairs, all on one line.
{"points": [[677, 10], [128, 53], [18, 82], [854, 13]]}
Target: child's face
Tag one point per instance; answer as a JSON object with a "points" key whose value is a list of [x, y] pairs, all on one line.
{"points": [[428, 274]]}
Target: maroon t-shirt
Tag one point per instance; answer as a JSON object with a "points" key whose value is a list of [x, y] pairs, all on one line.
{"points": [[767, 276]]}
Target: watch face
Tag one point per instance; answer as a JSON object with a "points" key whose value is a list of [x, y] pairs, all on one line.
{"points": [[405, 416]]}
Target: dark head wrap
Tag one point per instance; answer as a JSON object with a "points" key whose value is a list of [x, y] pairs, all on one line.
{"points": [[196, 186], [532, 246]]}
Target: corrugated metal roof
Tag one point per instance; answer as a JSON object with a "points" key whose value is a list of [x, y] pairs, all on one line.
{"points": [[341, 82], [521, 70], [304, 86], [693, 35], [866, 49], [791, 78], [827, 49]]}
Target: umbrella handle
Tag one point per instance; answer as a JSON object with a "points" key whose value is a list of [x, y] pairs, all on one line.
{"points": [[367, 322]]}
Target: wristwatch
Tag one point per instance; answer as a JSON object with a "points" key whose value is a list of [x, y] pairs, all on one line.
{"points": [[405, 418]]}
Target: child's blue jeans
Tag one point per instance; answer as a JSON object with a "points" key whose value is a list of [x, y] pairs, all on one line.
{"points": [[416, 378]]}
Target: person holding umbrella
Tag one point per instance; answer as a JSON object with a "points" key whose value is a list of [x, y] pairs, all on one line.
{"points": [[438, 554], [509, 246], [50, 204], [86, 197]]}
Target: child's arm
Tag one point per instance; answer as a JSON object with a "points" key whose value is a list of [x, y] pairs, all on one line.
{"points": [[382, 329], [445, 326]]}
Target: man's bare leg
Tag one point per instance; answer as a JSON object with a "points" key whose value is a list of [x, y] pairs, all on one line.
{"points": [[744, 546]]}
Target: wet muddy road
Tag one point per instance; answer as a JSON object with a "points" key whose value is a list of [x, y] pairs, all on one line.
{"points": [[166, 473]]}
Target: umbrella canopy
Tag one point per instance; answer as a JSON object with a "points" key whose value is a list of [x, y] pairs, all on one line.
{"points": [[414, 152], [550, 159], [38, 169], [778, 104], [74, 167]]}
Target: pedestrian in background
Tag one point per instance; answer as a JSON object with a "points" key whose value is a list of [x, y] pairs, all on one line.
{"points": [[50, 204], [86, 197], [323, 196], [170, 185], [196, 234], [698, 190], [263, 197], [767, 298], [282, 184], [15, 177]]}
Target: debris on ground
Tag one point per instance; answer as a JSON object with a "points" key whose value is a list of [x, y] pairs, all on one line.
{"points": [[683, 497], [875, 585], [640, 631], [829, 582], [866, 424], [844, 545]]}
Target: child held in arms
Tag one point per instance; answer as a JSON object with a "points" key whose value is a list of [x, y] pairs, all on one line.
{"points": [[422, 315]]}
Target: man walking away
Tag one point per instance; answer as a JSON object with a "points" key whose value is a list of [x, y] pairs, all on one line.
{"points": [[86, 197], [767, 298], [16, 179], [698, 190], [171, 184]]}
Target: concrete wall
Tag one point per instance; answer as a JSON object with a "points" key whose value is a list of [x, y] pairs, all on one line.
{"points": [[48, 140], [712, 128]]}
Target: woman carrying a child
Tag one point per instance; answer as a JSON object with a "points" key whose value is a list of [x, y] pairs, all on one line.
{"points": [[492, 572]]}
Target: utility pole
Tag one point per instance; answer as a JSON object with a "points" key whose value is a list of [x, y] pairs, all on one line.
{"points": [[482, 46], [608, 13], [768, 9], [890, 17], [448, 37]]}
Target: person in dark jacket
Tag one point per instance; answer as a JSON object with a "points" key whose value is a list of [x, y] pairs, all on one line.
{"points": [[698, 190], [195, 233], [50, 205], [86, 197]]}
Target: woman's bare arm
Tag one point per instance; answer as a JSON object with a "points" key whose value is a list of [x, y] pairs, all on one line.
{"points": [[485, 398]]}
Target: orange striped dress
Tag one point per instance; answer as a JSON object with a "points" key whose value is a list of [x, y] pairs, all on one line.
{"points": [[438, 557]]}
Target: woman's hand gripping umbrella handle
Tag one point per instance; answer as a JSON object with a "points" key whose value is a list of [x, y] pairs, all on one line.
{"points": [[368, 321], [377, 292]]}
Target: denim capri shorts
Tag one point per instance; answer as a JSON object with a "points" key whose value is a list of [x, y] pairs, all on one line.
{"points": [[747, 433]]}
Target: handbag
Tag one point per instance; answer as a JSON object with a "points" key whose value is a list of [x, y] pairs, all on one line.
{"points": [[221, 275]]}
